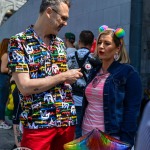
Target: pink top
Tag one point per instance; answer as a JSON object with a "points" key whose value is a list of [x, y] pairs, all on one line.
{"points": [[94, 114]]}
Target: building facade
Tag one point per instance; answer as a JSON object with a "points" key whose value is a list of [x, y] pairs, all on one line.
{"points": [[8, 7]]}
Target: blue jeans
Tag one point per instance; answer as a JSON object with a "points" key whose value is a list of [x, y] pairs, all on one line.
{"points": [[4, 93], [78, 129]]}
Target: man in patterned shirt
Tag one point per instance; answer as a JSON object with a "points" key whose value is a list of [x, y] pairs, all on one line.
{"points": [[37, 61]]}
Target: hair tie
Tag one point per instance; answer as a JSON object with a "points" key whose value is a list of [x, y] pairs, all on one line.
{"points": [[120, 33], [103, 28]]}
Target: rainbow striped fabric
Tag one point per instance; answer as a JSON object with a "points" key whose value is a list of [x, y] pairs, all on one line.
{"points": [[96, 140]]}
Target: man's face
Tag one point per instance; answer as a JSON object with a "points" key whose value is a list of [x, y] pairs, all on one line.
{"points": [[58, 18]]}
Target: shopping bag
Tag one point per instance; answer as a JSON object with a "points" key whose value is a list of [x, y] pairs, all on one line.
{"points": [[97, 140]]}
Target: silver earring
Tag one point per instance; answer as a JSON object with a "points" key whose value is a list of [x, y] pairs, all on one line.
{"points": [[116, 56]]}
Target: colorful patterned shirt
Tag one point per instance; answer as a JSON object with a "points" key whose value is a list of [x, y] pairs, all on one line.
{"points": [[54, 107]]}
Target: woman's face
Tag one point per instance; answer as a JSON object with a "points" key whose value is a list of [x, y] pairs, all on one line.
{"points": [[106, 48]]}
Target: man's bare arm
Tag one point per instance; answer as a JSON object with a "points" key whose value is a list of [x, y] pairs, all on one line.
{"points": [[29, 86]]}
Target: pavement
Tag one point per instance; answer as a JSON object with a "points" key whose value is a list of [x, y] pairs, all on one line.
{"points": [[7, 138]]}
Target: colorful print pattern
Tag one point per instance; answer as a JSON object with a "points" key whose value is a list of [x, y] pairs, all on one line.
{"points": [[52, 108]]}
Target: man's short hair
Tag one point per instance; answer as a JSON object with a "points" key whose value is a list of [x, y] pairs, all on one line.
{"points": [[70, 36], [86, 37], [52, 3]]}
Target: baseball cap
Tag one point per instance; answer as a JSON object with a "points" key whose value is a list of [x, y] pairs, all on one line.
{"points": [[70, 36]]}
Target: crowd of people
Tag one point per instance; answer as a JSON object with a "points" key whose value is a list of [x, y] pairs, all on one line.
{"points": [[4, 82], [63, 90]]}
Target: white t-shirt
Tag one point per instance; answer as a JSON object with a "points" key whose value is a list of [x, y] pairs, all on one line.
{"points": [[70, 50]]}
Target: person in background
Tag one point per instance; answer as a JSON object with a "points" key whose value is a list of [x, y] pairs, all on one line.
{"points": [[83, 59], [69, 43], [15, 115], [4, 82], [37, 60], [145, 100], [76, 45], [114, 91], [93, 46], [143, 136]]}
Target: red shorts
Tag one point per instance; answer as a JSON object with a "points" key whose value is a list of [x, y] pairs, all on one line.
{"points": [[47, 139]]}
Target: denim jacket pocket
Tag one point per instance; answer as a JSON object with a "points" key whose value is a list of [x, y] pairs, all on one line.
{"points": [[119, 84]]}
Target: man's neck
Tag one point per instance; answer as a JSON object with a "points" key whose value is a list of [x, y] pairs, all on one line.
{"points": [[69, 45], [41, 32], [83, 46]]}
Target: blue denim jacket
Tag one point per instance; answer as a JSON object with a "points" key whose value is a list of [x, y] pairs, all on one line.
{"points": [[121, 99]]}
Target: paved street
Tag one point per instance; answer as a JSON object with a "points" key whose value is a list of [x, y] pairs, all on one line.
{"points": [[6, 138]]}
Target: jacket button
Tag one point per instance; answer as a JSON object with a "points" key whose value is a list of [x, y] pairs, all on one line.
{"points": [[105, 94]]}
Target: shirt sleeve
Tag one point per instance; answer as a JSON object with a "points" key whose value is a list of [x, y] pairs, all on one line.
{"points": [[17, 60], [143, 138]]}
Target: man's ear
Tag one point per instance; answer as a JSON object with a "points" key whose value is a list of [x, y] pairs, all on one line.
{"points": [[79, 42], [49, 11]]}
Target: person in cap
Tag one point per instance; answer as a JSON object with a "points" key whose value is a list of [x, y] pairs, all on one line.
{"points": [[69, 43]]}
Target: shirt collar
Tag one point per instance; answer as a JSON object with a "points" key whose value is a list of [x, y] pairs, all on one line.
{"points": [[31, 30]]}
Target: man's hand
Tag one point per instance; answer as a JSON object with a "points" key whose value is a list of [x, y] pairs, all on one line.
{"points": [[72, 75], [29, 86]]}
